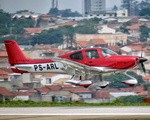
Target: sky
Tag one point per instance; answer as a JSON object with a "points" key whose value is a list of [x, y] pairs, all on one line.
{"points": [[43, 6]]}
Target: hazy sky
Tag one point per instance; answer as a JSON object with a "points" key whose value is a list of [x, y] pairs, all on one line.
{"points": [[43, 6]]}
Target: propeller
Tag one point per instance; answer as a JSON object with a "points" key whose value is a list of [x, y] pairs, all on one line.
{"points": [[142, 60]]}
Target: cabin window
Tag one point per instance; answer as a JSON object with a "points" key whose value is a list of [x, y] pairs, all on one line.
{"points": [[91, 54], [107, 52], [77, 56]]}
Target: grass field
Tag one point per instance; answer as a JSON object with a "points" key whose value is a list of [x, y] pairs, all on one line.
{"points": [[29, 103]]}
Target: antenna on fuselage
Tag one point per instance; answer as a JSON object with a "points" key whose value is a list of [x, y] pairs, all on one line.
{"points": [[79, 44]]}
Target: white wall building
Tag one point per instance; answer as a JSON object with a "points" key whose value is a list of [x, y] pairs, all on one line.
{"points": [[106, 29], [49, 79]]}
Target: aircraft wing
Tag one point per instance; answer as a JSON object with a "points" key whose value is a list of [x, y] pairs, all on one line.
{"points": [[76, 65]]}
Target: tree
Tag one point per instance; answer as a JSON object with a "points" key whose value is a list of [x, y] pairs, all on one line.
{"points": [[115, 80], [5, 20], [132, 99], [24, 11], [63, 13], [144, 33], [115, 8], [18, 25], [54, 12], [124, 29], [144, 12], [50, 36], [68, 32]]}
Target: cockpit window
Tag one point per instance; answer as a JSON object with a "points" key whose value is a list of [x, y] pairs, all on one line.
{"points": [[77, 56], [91, 54], [107, 52]]}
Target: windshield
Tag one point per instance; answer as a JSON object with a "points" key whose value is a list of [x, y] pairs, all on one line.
{"points": [[107, 52]]}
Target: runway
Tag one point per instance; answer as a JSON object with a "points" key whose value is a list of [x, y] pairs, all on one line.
{"points": [[74, 113]]}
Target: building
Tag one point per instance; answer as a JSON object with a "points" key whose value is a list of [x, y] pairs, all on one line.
{"points": [[110, 39], [94, 5], [4, 94]]}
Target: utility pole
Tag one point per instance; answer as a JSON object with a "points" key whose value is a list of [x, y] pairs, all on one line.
{"points": [[54, 3]]}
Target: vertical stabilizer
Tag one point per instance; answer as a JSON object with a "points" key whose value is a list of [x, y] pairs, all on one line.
{"points": [[15, 55]]}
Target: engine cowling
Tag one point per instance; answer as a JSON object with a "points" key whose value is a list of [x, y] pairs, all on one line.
{"points": [[84, 83], [130, 82]]}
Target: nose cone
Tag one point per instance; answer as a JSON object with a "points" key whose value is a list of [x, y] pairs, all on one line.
{"points": [[141, 60]]}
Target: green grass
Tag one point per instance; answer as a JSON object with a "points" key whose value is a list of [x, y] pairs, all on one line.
{"points": [[29, 103]]}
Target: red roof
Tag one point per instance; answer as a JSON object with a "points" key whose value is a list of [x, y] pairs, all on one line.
{"points": [[3, 59], [30, 91], [49, 75], [5, 92], [82, 43], [66, 86], [137, 89], [43, 90], [2, 72], [32, 30], [98, 41], [21, 94], [68, 23], [114, 48], [22, 88], [3, 53], [63, 51], [53, 87], [146, 77], [134, 20], [3, 76], [53, 50], [79, 90], [136, 48], [137, 26]]}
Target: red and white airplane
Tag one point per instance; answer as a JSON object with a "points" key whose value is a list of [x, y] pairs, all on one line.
{"points": [[84, 62]]}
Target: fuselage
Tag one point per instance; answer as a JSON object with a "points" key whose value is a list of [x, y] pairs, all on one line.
{"points": [[109, 60]]}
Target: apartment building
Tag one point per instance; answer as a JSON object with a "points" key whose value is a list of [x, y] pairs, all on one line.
{"points": [[94, 5]]}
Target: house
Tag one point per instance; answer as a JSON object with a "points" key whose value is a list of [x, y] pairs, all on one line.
{"points": [[134, 50], [3, 75], [82, 93], [32, 31], [96, 43], [98, 97], [134, 21], [54, 87], [110, 39], [83, 44], [21, 95], [4, 94], [22, 89], [114, 48], [146, 78], [134, 29], [46, 21], [51, 53], [115, 95], [49, 79], [139, 90], [106, 30], [74, 24], [62, 96], [63, 51], [42, 91], [3, 59]]}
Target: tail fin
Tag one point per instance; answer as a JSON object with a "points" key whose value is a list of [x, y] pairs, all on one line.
{"points": [[15, 54]]}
